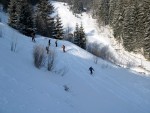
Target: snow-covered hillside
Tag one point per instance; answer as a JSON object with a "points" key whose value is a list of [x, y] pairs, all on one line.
{"points": [[26, 89], [102, 36]]}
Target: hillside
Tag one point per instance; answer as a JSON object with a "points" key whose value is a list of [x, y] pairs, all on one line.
{"points": [[104, 37], [26, 89]]}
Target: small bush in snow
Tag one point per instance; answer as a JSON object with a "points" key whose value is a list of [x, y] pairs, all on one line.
{"points": [[39, 55], [66, 88], [69, 37], [94, 49], [105, 53], [102, 51], [14, 44], [62, 71], [51, 60], [95, 58], [104, 66]]}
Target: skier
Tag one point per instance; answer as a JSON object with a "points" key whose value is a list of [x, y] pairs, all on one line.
{"points": [[91, 70], [63, 48], [33, 36], [49, 42], [56, 43], [47, 49]]}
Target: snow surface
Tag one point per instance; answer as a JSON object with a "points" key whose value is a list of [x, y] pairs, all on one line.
{"points": [[26, 89]]}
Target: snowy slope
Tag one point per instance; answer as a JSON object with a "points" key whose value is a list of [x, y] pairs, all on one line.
{"points": [[102, 36], [26, 89]]}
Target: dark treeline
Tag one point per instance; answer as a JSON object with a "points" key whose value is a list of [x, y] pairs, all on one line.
{"points": [[29, 19], [77, 6], [128, 18], [6, 3], [34, 16]]}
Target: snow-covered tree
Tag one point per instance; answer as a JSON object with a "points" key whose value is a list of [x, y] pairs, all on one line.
{"points": [[139, 24], [5, 4], [112, 9], [118, 19], [103, 12], [77, 6], [147, 28]]}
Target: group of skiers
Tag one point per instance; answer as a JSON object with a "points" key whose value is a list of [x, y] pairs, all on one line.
{"points": [[56, 45], [49, 42]]}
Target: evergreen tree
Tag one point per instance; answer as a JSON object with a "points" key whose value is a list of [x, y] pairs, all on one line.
{"points": [[50, 27], [139, 26], [94, 8], [5, 4], [79, 37], [13, 14], [117, 22], [113, 4], [33, 2], [25, 20], [82, 38], [128, 38], [100, 13], [76, 35], [133, 30], [103, 11], [43, 20], [58, 30], [77, 6]]}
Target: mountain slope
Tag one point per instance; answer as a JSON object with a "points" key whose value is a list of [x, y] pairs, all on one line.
{"points": [[26, 89], [102, 36]]}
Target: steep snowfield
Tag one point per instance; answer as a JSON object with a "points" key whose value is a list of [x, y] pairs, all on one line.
{"points": [[26, 89]]}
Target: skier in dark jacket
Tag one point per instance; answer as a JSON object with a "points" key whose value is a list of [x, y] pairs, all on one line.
{"points": [[63, 48], [47, 49], [49, 42], [91, 70], [56, 43], [33, 36]]}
